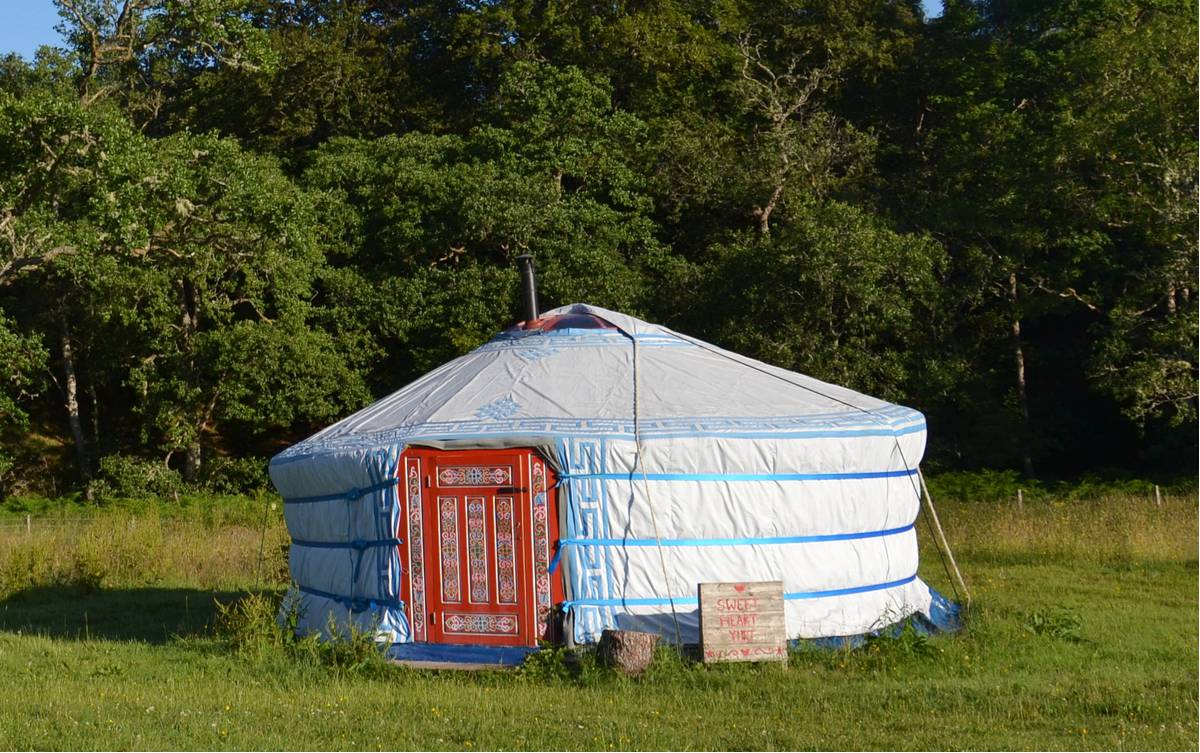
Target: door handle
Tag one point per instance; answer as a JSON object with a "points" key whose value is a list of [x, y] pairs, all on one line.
{"points": [[433, 618], [511, 490]]}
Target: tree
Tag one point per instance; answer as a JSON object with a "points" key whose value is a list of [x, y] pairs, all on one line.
{"points": [[433, 223], [24, 361], [184, 251], [835, 294], [801, 147], [1049, 127], [135, 52]]}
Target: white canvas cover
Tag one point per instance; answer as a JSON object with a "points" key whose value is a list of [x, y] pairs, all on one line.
{"points": [[747, 472]]}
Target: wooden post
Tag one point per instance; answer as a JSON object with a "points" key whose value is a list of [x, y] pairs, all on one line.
{"points": [[1020, 499], [1157, 497], [937, 525], [630, 651], [29, 525]]}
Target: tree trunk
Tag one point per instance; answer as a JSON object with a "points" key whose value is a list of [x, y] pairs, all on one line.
{"points": [[629, 651], [71, 386], [1019, 360], [189, 325], [785, 166], [191, 462], [95, 413], [764, 216]]}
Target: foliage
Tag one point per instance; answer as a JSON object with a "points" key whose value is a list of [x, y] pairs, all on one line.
{"points": [[234, 221], [1002, 486], [251, 624], [835, 293], [235, 475], [24, 359], [983, 486], [905, 644], [254, 625], [1062, 624], [132, 478]]}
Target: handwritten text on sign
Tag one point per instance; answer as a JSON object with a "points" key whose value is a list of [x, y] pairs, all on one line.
{"points": [[742, 621]]}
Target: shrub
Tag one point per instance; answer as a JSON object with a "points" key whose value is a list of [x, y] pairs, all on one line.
{"points": [[550, 663], [122, 476], [257, 624], [981, 486], [905, 641], [234, 475], [250, 624], [1062, 624]]}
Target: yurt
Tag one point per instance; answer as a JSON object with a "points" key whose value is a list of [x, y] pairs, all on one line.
{"points": [[586, 470]]}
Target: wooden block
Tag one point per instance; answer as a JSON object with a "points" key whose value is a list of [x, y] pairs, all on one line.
{"points": [[627, 650], [742, 622]]}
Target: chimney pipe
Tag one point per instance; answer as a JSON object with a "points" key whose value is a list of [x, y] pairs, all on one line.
{"points": [[529, 301]]}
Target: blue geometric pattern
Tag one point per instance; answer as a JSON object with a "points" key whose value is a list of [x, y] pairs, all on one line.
{"points": [[543, 349], [587, 517], [500, 408], [891, 420]]}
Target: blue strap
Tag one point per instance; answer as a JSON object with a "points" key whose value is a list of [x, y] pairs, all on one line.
{"points": [[635, 476], [349, 495], [357, 544], [763, 541], [355, 604], [849, 591], [557, 555], [791, 596]]}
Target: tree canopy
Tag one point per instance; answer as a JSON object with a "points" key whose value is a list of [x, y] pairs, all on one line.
{"points": [[224, 223]]}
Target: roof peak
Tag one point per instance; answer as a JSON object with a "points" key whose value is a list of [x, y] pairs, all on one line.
{"points": [[630, 325]]}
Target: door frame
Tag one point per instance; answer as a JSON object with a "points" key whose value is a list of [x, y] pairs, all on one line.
{"points": [[536, 539]]}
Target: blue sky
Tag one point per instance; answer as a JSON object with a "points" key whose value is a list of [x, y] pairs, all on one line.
{"points": [[27, 24]]}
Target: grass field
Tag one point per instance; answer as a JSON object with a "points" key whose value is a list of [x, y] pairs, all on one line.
{"points": [[1083, 636]]}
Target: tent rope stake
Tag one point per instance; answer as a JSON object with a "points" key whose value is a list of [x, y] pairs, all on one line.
{"points": [[942, 538]]}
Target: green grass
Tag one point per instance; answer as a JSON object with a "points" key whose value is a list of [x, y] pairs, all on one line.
{"points": [[1083, 636]]}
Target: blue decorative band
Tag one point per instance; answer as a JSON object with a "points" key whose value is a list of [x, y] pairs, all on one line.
{"points": [[358, 544], [354, 604], [890, 421], [349, 495], [762, 541], [791, 596]]}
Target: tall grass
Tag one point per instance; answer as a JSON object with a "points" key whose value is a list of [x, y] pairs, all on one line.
{"points": [[1111, 528], [116, 548]]}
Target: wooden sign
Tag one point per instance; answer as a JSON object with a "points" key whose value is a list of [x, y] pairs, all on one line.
{"points": [[742, 622]]}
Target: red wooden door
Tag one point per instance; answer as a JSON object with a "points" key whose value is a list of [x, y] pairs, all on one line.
{"points": [[485, 532]]}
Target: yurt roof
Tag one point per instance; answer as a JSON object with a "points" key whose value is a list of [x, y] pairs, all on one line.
{"points": [[584, 370]]}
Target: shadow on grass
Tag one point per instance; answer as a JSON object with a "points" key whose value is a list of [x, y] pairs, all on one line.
{"points": [[153, 615]]}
